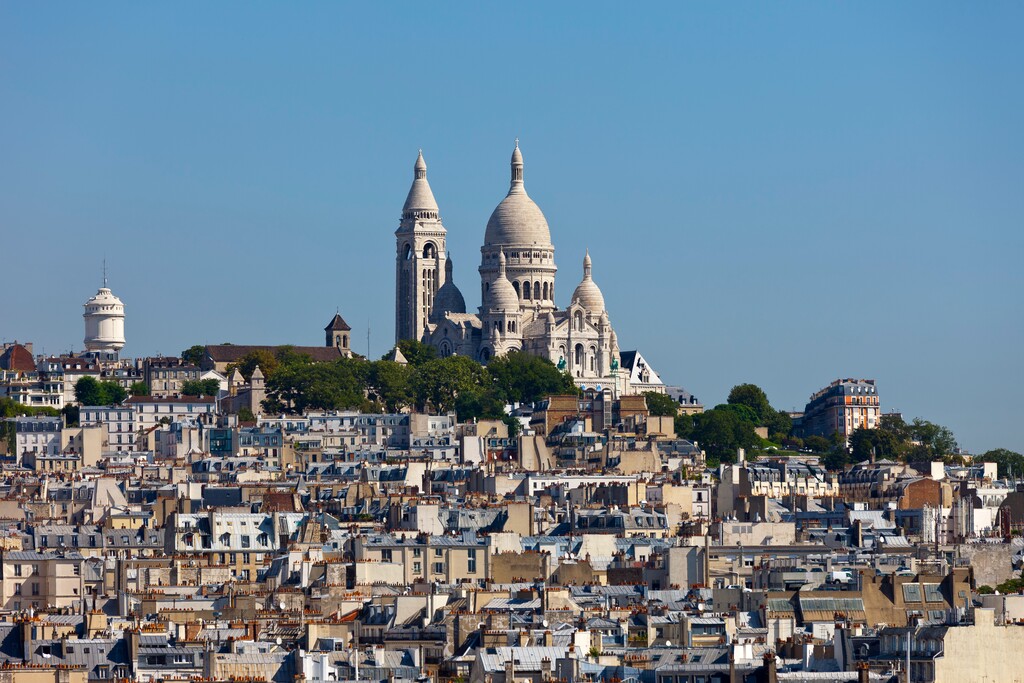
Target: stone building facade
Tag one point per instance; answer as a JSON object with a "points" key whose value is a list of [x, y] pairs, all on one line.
{"points": [[517, 287]]}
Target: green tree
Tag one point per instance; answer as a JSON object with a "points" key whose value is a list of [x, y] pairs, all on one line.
{"points": [[391, 384], [138, 389], [724, 429], [193, 355], [416, 352], [817, 444], [1008, 463], [524, 378], [836, 459], [779, 424], [438, 383], [90, 392], [300, 384], [894, 424], [684, 426], [660, 405], [245, 415], [265, 358], [753, 397], [479, 402], [200, 387], [937, 440]]}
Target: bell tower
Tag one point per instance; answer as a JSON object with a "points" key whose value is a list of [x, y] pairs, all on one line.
{"points": [[420, 257]]}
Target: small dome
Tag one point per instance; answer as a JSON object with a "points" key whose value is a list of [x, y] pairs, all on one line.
{"points": [[104, 297], [420, 203], [588, 294], [502, 295], [448, 298], [517, 219]]}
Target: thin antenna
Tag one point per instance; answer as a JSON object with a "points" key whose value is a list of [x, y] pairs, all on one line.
{"points": [[104, 271]]}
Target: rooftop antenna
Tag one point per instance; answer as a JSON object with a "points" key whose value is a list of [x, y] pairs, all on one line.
{"points": [[104, 272]]}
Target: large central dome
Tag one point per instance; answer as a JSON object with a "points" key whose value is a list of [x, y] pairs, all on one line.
{"points": [[517, 220]]}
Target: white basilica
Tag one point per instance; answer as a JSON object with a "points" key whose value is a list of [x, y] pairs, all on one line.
{"points": [[517, 287]]}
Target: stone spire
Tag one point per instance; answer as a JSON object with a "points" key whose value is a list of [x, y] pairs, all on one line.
{"points": [[588, 294], [517, 171], [420, 203]]}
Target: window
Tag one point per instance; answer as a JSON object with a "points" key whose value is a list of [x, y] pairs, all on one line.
{"points": [[17, 570], [471, 560], [385, 555], [35, 588], [439, 567], [246, 541], [932, 592], [438, 552], [417, 567]]}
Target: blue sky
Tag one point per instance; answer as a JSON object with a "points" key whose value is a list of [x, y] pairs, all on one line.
{"points": [[776, 193]]}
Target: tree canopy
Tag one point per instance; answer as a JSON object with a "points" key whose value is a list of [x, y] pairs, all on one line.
{"points": [[753, 397], [660, 405], [1007, 462], [200, 387], [194, 354], [91, 392], [456, 383], [416, 352], [523, 378]]}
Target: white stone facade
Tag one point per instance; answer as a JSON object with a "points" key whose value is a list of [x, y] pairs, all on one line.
{"points": [[517, 287]]}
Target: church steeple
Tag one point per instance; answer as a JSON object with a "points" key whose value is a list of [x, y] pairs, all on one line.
{"points": [[517, 171], [420, 256], [420, 203]]}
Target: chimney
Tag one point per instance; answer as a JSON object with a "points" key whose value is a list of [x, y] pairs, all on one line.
{"points": [[863, 673], [770, 667], [549, 639]]}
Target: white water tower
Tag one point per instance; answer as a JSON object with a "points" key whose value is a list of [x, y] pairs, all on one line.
{"points": [[104, 321]]}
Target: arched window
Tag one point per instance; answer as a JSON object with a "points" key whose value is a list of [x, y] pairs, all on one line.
{"points": [[408, 252], [593, 358], [429, 251], [515, 286], [545, 291], [578, 356], [577, 321], [526, 290], [536, 290], [344, 341], [485, 354]]}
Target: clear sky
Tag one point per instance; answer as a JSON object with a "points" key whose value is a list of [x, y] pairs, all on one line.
{"points": [[779, 193]]}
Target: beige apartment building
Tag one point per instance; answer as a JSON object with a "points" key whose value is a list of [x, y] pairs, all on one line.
{"points": [[38, 580], [446, 559]]}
